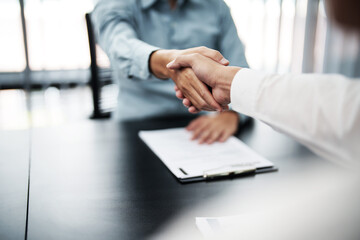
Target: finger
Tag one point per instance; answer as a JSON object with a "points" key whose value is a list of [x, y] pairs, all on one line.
{"points": [[186, 102], [210, 53], [179, 94], [205, 135], [204, 138], [198, 93], [201, 105], [189, 104], [199, 131], [224, 136], [215, 135], [193, 110], [205, 100], [195, 123]]}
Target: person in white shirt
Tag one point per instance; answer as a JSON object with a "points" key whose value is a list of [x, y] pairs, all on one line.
{"points": [[322, 111]]}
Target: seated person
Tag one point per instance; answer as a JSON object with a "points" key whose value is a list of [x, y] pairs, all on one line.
{"points": [[142, 36]]}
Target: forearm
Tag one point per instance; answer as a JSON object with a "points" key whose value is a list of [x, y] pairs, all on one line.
{"points": [[114, 23], [320, 111]]}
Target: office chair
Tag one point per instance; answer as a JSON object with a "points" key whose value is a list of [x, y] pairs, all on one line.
{"points": [[99, 76]]}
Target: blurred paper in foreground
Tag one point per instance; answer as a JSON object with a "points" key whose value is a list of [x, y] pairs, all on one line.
{"points": [[317, 204], [214, 226]]}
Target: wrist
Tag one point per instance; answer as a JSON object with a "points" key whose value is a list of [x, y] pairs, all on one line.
{"points": [[226, 76], [231, 114], [158, 61]]}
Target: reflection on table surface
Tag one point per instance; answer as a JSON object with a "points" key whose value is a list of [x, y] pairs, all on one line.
{"points": [[97, 179]]}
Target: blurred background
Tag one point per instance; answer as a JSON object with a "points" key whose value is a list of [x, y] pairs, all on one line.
{"points": [[48, 75]]}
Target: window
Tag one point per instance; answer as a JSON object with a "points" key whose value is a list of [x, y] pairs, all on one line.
{"points": [[12, 54], [57, 34]]}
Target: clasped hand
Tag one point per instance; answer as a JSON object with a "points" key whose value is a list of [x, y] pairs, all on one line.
{"points": [[217, 77], [196, 94], [186, 81]]}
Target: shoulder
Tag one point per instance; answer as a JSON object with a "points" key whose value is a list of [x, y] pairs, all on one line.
{"points": [[118, 4], [217, 6]]}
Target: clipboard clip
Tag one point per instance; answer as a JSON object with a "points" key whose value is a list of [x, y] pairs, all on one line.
{"points": [[228, 171]]}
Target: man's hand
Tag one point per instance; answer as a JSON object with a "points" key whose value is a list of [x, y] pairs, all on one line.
{"points": [[159, 59], [188, 83], [186, 80], [187, 103], [213, 74], [209, 129]]}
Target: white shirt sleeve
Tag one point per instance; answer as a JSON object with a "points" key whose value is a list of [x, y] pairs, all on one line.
{"points": [[320, 111]]}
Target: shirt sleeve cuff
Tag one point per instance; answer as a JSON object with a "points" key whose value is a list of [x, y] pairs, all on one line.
{"points": [[139, 68], [245, 89]]}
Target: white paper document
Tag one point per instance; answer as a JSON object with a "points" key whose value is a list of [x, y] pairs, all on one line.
{"points": [[188, 159], [218, 226]]}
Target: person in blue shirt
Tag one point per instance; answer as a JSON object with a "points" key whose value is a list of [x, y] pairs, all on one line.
{"points": [[141, 36]]}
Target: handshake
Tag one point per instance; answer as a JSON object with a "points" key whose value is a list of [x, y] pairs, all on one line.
{"points": [[209, 82]]}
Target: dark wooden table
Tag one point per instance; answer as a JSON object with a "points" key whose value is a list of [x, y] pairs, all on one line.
{"points": [[98, 180]]}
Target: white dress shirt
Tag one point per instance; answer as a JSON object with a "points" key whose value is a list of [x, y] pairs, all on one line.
{"points": [[320, 111]]}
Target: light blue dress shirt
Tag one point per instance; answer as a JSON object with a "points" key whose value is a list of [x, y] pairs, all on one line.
{"points": [[130, 30]]}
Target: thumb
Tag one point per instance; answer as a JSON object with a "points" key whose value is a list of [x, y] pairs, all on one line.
{"points": [[210, 53], [181, 61], [172, 65]]}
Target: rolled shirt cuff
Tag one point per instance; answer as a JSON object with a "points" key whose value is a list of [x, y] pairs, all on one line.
{"points": [[245, 90], [139, 66]]}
